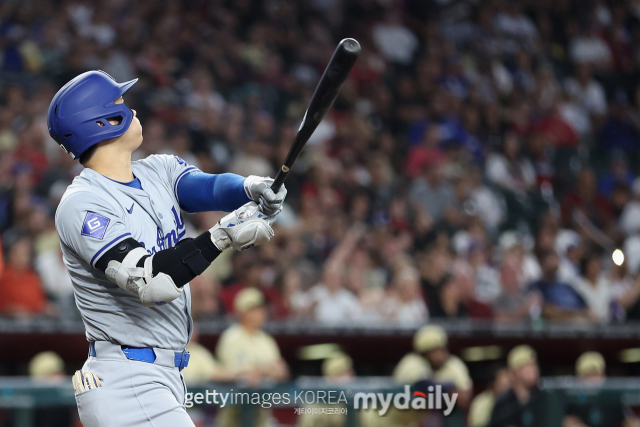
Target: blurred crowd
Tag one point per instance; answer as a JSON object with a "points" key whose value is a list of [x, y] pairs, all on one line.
{"points": [[481, 161]]}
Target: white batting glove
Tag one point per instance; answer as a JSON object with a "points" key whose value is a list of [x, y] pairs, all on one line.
{"points": [[243, 228], [258, 189]]}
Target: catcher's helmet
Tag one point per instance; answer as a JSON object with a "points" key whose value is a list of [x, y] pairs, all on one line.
{"points": [[77, 108]]}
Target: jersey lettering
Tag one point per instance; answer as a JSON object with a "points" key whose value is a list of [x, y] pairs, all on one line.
{"points": [[170, 239]]}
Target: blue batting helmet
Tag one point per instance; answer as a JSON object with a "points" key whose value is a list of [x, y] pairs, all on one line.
{"points": [[79, 112]]}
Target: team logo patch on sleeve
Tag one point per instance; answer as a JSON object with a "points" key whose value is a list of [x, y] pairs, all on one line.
{"points": [[94, 225]]}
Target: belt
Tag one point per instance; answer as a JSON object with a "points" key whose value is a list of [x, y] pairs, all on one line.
{"points": [[148, 355]]}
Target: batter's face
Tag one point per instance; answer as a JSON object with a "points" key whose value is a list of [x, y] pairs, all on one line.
{"points": [[132, 138]]}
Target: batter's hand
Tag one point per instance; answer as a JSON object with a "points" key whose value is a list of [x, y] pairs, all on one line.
{"points": [[243, 228], [259, 190]]}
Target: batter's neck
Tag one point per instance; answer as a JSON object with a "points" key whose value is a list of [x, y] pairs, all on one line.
{"points": [[114, 164]]}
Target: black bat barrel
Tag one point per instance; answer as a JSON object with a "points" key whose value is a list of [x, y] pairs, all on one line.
{"points": [[326, 92]]}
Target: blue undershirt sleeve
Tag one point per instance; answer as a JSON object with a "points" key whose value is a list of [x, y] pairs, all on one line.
{"points": [[200, 192]]}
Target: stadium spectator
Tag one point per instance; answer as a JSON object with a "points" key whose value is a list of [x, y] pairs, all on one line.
{"points": [[513, 304], [618, 131], [432, 357], [630, 216], [618, 173], [520, 405], [432, 191], [439, 288], [561, 301], [484, 202], [336, 369], [246, 351], [590, 367], [252, 275], [563, 124], [591, 371], [594, 287], [586, 207], [589, 48], [515, 248], [21, 292], [509, 170], [513, 23], [203, 367], [333, 304], [404, 306], [625, 290], [570, 249], [486, 278], [411, 370], [204, 298], [47, 368], [395, 41], [482, 405], [49, 265], [46, 365]]}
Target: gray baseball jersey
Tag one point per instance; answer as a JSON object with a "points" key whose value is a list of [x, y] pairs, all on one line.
{"points": [[94, 215]]}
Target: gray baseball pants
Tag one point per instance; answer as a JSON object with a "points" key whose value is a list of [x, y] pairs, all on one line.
{"points": [[133, 393]]}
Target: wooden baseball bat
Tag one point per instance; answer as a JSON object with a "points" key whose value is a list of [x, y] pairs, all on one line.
{"points": [[326, 92]]}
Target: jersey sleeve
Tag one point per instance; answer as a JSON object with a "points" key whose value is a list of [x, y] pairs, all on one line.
{"points": [[200, 192], [197, 191], [89, 226]]}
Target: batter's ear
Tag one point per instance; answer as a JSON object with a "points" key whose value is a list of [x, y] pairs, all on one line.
{"points": [[117, 253]]}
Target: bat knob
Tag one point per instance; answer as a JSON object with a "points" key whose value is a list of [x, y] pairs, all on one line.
{"points": [[351, 45]]}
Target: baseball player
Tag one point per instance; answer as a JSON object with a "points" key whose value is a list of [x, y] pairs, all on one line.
{"points": [[123, 239]]}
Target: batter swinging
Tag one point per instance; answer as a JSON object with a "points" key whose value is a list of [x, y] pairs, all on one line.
{"points": [[123, 239]]}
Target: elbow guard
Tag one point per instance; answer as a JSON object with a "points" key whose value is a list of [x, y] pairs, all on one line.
{"points": [[135, 275], [158, 278]]}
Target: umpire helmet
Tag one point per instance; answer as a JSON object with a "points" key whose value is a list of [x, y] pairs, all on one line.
{"points": [[76, 111]]}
